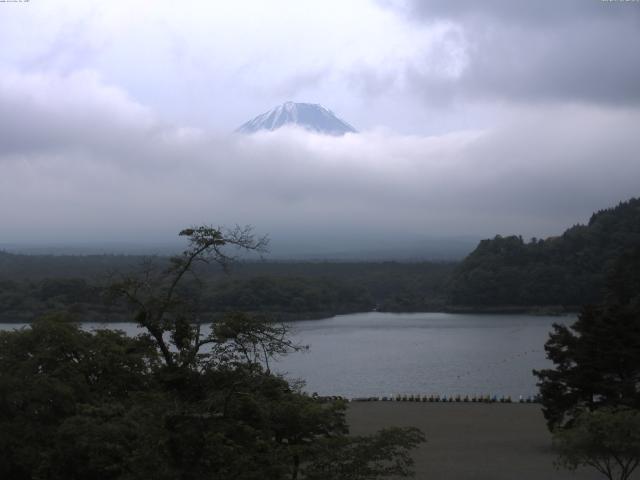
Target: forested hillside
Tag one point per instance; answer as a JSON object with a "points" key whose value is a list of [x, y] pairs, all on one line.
{"points": [[568, 270]]}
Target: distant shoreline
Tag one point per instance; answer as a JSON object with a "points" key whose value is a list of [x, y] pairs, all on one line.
{"points": [[543, 311]]}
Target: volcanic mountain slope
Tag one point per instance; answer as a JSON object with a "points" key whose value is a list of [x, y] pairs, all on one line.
{"points": [[310, 116]]}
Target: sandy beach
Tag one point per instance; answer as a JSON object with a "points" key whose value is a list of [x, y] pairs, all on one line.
{"points": [[472, 441]]}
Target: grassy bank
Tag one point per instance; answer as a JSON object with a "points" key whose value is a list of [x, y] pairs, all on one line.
{"points": [[471, 441]]}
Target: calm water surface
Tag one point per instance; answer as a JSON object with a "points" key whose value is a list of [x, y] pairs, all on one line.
{"points": [[426, 353]]}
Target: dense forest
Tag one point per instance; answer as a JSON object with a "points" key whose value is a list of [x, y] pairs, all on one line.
{"points": [[568, 270], [33, 285], [501, 274]]}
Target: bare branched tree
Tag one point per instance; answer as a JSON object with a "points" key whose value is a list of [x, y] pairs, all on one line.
{"points": [[163, 306]]}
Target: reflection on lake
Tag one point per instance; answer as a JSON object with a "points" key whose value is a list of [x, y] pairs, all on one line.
{"points": [[427, 353]]}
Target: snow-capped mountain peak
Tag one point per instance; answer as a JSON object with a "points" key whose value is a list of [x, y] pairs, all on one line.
{"points": [[311, 116]]}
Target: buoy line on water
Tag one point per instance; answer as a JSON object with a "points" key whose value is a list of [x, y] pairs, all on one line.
{"points": [[433, 398]]}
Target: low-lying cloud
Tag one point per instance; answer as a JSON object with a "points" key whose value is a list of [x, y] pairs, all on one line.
{"points": [[80, 161]]}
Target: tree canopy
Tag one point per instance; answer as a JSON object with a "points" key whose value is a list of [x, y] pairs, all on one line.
{"points": [[568, 270], [606, 439], [597, 359], [591, 398]]}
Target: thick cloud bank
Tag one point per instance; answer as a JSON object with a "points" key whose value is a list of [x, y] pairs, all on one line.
{"points": [[80, 161]]}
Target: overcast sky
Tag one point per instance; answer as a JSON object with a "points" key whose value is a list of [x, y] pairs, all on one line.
{"points": [[476, 118]]}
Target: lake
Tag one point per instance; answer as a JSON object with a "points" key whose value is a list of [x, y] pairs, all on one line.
{"points": [[374, 353]]}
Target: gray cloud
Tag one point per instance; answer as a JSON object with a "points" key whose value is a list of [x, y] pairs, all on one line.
{"points": [[522, 51], [83, 162], [540, 14]]}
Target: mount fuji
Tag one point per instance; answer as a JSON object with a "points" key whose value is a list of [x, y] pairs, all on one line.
{"points": [[309, 116]]}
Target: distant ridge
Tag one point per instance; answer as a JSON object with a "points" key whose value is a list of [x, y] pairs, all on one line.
{"points": [[569, 270], [310, 116]]}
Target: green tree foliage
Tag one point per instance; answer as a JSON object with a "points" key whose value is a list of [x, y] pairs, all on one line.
{"points": [[290, 290], [288, 295], [55, 378], [178, 401], [597, 360], [567, 270], [607, 440], [385, 453]]}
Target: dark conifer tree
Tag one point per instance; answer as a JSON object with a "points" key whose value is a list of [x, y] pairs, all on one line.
{"points": [[597, 359]]}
